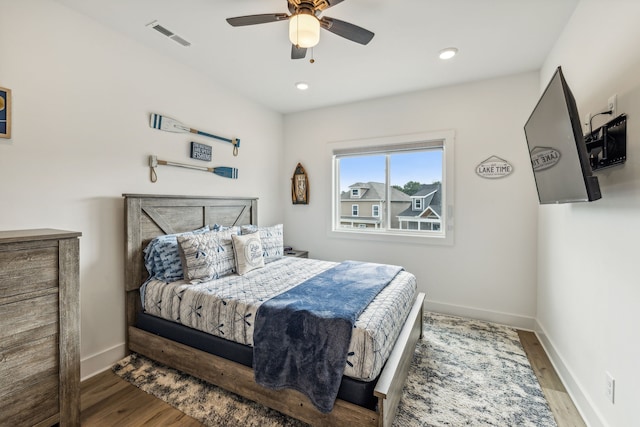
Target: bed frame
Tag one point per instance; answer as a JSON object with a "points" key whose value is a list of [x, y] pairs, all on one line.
{"points": [[149, 216]]}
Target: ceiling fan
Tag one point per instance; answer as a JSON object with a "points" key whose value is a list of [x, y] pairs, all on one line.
{"points": [[305, 23]]}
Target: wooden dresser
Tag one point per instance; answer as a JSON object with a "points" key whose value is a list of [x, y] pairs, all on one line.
{"points": [[39, 328]]}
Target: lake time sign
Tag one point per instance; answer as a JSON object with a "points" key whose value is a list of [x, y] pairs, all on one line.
{"points": [[494, 167]]}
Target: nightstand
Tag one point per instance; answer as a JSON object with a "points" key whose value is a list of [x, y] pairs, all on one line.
{"points": [[297, 253]]}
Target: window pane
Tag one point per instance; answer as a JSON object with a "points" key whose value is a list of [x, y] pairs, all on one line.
{"points": [[416, 175], [362, 179]]}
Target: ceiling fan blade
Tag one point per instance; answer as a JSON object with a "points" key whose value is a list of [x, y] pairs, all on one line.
{"points": [[346, 30], [298, 52], [331, 3], [240, 21]]}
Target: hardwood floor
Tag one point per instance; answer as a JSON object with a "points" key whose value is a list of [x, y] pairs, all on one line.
{"points": [[108, 400], [564, 411]]}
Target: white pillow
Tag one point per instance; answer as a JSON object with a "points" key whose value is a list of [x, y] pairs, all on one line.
{"points": [[247, 250]]}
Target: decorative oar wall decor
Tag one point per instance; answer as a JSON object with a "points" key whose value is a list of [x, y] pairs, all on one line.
{"points": [[168, 124], [223, 171]]}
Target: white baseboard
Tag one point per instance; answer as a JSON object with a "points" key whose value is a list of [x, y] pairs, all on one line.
{"points": [[100, 362], [513, 320], [583, 403]]}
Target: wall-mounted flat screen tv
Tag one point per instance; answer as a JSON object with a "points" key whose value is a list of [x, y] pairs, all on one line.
{"points": [[557, 147]]}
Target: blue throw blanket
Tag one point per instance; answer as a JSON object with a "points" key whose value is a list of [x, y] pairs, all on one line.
{"points": [[301, 337]]}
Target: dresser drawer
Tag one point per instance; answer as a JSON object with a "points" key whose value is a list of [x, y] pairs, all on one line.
{"points": [[29, 403], [27, 269], [27, 363], [28, 320]]}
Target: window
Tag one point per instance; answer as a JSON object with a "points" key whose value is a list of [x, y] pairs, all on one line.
{"points": [[406, 182], [355, 193]]}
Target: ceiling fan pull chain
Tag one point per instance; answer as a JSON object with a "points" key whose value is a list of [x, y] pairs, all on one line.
{"points": [[312, 60]]}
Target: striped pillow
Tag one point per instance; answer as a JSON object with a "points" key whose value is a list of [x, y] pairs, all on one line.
{"points": [[207, 256]]}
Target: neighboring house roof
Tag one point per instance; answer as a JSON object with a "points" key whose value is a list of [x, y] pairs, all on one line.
{"points": [[426, 189], [374, 191], [431, 195]]}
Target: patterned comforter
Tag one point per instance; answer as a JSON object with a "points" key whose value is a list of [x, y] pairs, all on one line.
{"points": [[227, 307]]}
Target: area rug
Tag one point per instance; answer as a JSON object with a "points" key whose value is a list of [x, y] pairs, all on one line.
{"points": [[464, 373]]}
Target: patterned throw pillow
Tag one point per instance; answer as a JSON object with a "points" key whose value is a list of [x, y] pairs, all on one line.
{"points": [[272, 239], [162, 256], [207, 256], [247, 250]]}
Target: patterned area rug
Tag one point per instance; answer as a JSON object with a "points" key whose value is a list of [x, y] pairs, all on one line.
{"points": [[464, 373]]}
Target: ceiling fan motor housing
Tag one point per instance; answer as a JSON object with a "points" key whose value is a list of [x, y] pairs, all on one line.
{"points": [[314, 6]]}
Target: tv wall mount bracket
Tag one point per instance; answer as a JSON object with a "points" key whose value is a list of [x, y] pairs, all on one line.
{"points": [[607, 145]]}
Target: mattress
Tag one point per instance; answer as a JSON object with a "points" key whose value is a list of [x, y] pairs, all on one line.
{"points": [[227, 307]]}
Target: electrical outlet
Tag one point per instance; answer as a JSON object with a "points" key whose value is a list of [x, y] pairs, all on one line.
{"points": [[612, 104], [610, 387]]}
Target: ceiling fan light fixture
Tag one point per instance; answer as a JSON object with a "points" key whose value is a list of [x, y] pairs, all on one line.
{"points": [[304, 30], [448, 53]]}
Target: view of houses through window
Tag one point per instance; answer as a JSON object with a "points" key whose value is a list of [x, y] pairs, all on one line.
{"points": [[391, 190]]}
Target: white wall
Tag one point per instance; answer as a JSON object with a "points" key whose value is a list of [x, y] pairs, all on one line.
{"points": [[589, 292], [82, 96], [490, 270]]}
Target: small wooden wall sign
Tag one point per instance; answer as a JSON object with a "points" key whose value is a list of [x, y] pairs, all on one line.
{"points": [[200, 151], [494, 167], [5, 113], [300, 186]]}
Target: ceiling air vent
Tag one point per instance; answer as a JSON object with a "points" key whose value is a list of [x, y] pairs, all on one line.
{"points": [[168, 33]]}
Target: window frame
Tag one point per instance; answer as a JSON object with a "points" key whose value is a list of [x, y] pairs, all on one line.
{"points": [[439, 139]]}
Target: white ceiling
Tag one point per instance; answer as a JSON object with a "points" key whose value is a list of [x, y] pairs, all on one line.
{"points": [[494, 38]]}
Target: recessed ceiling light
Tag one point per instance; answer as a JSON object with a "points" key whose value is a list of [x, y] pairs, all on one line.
{"points": [[448, 53], [302, 85]]}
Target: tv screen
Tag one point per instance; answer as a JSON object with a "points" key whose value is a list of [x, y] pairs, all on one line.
{"points": [[558, 152]]}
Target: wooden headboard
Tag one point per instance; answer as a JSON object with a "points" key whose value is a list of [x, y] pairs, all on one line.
{"points": [[148, 216]]}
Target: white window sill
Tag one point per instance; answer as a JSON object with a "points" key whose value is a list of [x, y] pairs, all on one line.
{"points": [[425, 238]]}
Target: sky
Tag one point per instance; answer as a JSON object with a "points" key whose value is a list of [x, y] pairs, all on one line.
{"points": [[424, 167]]}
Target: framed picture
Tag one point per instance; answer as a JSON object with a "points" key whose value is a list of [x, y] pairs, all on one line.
{"points": [[299, 186], [5, 113]]}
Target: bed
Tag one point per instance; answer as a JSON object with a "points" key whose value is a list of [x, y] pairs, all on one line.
{"points": [[227, 364]]}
